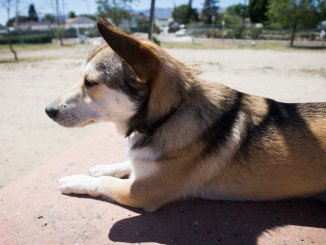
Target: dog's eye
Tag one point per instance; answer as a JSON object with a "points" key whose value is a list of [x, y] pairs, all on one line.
{"points": [[89, 84]]}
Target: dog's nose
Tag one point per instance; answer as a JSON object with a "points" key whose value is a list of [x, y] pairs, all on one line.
{"points": [[52, 113]]}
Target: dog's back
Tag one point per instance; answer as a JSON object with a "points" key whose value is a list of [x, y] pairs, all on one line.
{"points": [[281, 152]]}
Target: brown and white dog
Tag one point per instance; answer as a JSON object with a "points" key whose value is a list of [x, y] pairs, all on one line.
{"points": [[189, 137]]}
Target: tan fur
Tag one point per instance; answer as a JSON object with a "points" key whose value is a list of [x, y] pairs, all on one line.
{"points": [[280, 160]]}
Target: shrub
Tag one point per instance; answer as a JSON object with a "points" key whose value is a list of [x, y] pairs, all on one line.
{"points": [[32, 38]]}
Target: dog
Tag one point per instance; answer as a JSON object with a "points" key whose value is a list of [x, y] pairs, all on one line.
{"points": [[188, 137]]}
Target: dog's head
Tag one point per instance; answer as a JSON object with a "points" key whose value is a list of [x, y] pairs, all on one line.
{"points": [[119, 80]]}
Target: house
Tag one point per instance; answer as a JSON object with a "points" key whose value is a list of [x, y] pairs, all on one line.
{"points": [[163, 23], [80, 22], [35, 26]]}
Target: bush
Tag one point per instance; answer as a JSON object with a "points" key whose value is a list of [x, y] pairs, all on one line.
{"points": [[32, 38], [254, 32], [72, 32], [59, 32], [156, 41]]}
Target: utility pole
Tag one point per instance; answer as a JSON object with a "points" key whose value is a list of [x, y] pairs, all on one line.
{"points": [[213, 25], [88, 9], [151, 20], [189, 10], [58, 22], [17, 13], [63, 9], [57, 11], [244, 13]]}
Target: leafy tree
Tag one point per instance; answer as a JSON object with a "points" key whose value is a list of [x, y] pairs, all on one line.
{"points": [[102, 6], [19, 19], [257, 10], [210, 9], [117, 10], [49, 17], [235, 23], [321, 9], [32, 15], [237, 10], [71, 14], [8, 5], [233, 18], [185, 14], [293, 14]]}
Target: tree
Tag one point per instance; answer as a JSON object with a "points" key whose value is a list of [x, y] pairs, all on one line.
{"points": [[210, 9], [116, 10], [234, 16], [237, 10], [17, 19], [102, 6], [49, 17], [7, 5], [257, 10], [293, 14], [184, 14], [71, 14], [32, 15], [321, 8]]}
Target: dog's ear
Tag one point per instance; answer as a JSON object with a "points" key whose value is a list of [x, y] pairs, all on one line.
{"points": [[138, 54]]}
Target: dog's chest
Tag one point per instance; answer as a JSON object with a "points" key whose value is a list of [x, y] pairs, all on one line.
{"points": [[142, 169]]}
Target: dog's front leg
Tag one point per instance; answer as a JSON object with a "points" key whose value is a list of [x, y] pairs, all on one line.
{"points": [[118, 170], [129, 192]]}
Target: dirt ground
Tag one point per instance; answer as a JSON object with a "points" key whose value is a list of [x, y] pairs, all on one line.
{"points": [[28, 138]]}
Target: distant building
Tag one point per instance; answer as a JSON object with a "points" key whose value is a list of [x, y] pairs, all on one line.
{"points": [[163, 23], [80, 22], [35, 26]]}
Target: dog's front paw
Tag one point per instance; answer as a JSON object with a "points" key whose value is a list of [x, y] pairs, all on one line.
{"points": [[100, 170], [117, 170], [79, 184]]}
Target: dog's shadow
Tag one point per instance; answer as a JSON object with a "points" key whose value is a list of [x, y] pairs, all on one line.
{"points": [[205, 222]]}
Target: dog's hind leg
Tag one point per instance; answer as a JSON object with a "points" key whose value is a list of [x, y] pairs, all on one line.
{"points": [[118, 170]]}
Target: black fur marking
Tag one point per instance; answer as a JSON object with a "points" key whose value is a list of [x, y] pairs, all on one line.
{"points": [[215, 135], [140, 124], [159, 122], [279, 115], [283, 113], [142, 142]]}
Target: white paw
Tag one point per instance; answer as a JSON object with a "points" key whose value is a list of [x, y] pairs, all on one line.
{"points": [[79, 184], [99, 170], [114, 170]]}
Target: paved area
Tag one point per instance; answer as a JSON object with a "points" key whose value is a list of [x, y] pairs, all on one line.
{"points": [[34, 212]]}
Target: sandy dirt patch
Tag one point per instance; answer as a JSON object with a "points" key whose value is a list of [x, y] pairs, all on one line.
{"points": [[28, 138]]}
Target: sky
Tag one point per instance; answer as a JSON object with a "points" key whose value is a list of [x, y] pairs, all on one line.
{"points": [[89, 6]]}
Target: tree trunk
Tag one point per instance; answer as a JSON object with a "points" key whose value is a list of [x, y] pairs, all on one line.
{"points": [[11, 47], [13, 51], [58, 23], [294, 30]]}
